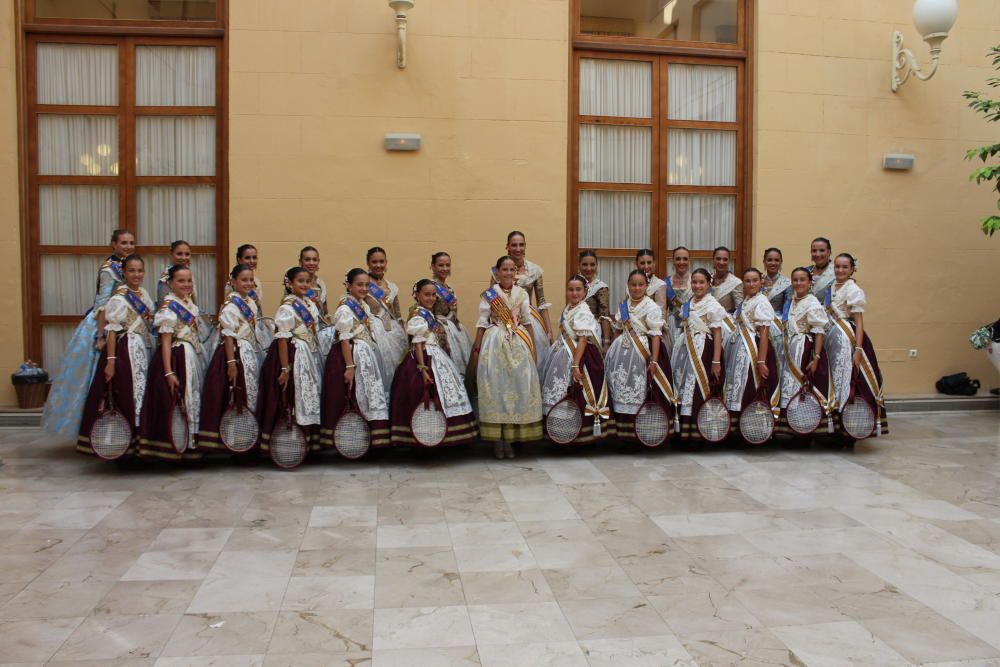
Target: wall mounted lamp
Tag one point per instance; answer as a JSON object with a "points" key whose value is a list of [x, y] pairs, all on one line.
{"points": [[934, 20], [401, 7]]}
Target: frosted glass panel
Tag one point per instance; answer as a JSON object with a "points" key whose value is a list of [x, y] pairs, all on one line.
{"points": [[701, 222], [77, 74], [702, 92], [69, 283], [55, 338], [615, 154], [701, 157], [175, 145], [616, 88], [685, 20], [170, 212], [77, 145], [614, 219], [175, 76], [77, 214], [614, 271]]}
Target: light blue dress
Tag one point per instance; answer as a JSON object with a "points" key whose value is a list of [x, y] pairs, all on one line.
{"points": [[64, 407]]}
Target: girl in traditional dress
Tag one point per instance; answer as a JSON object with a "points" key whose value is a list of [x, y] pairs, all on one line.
{"points": [[124, 361], [638, 356], [291, 376], [175, 372], [678, 291], [503, 357], [775, 286], [180, 255], [575, 363], [459, 345], [247, 255], [237, 360], [750, 359], [848, 346], [726, 287], [309, 260], [597, 298], [656, 289], [428, 371], [699, 369], [529, 278], [354, 367], [822, 268], [383, 302], [64, 407], [804, 320]]}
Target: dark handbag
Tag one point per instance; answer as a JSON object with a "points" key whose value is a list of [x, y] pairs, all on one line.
{"points": [[958, 384]]}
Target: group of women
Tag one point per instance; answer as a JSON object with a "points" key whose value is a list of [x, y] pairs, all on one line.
{"points": [[674, 343]]}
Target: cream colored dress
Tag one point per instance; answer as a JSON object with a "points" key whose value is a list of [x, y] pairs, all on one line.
{"points": [[624, 366], [369, 376], [556, 374], [186, 336], [755, 312], [233, 325], [121, 318], [846, 300], [447, 380], [703, 316], [307, 367], [806, 318]]}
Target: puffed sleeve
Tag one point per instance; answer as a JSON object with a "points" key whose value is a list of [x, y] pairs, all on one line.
{"points": [[165, 321], [484, 314], [715, 316], [763, 313], [343, 322], [817, 318], [284, 321], [230, 320], [418, 329], [856, 300], [654, 321], [584, 323], [660, 297], [540, 293], [116, 314]]}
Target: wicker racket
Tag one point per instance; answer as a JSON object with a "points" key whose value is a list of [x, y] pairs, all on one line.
{"points": [[238, 429], [652, 423], [180, 428], [428, 422], [564, 421], [757, 420], [804, 413], [713, 418], [288, 446], [111, 434], [857, 417], [352, 435]]}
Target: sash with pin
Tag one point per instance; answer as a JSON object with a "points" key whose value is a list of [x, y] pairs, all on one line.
{"points": [[595, 405], [867, 370], [501, 311], [303, 313], [659, 377]]}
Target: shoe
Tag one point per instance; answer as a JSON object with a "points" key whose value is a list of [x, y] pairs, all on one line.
{"points": [[498, 450], [508, 451]]}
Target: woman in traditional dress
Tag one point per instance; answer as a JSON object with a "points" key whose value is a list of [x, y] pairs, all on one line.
{"points": [[677, 293], [775, 286], [383, 302], [750, 359], [64, 406], [459, 345], [428, 371], [656, 289], [804, 320], [529, 278], [726, 287], [175, 373], [309, 260], [124, 361], [180, 255], [699, 371], [597, 298], [638, 356], [848, 346], [503, 357], [354, 367], [291, 376], [574, 364], [822, 268], [237, 360], [247, 255]]}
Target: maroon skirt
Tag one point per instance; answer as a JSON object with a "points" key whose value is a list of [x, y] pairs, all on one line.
{"points": [[689, 425], [624, 424], [820, 380], [274, 404], [121, 386], [593, 363], [407, 394], [154, 429], [750, 390], [334, 402], [215, 397], [862, 390]]}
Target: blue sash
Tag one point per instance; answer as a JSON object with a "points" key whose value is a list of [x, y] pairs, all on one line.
{"points": [[312, 294], [182, 312], [828, 296], [786, 309], [428, 316], [244, 308], [623, 311], [115, 264], [671, 294], [303, 313], [137, 304], [376, 291], [686, 309], [252, 294], [443, 293], [356, 308], [490, 295]]}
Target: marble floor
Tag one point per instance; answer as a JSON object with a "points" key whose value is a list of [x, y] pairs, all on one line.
{"points": [[887, 556]]}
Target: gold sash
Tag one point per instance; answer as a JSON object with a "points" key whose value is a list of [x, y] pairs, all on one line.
{"points": [[501, 311], [596, 406], [659, 378], [799, 377], [867, 371]]}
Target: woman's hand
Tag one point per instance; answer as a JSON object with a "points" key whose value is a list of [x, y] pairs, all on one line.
{"points": [[716, 372], [577, 375], [650, 367], [231, 372], [349, 377], [764, 370], [174, 384], [109, 370], [813, 365], [857, 358], [99, 343], [428, 380], [283, 378]]}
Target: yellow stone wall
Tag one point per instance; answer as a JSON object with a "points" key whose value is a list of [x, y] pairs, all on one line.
{"points": [[825, 116]]}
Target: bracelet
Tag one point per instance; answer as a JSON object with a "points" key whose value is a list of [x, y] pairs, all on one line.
{"points": [[716, 363], [112, 358], [815, 355], [858, 347], [285, 369], [231, 361], [166, 375], [574, 366], [762, 362], [355, 366], [421, 367]]}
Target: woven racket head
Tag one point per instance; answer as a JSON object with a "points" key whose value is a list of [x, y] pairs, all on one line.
{"points": [[288, 445], [564, 421], [352, 436], [111, 435], [238, 430], [713, 420], [652, 424], [180, 430], [757, 423], [857, 418], [804, 413], [428, 424]]}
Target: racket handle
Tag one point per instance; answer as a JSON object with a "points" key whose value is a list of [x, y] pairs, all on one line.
{"points": [[829, 423], [597, 426], [878, 426]]}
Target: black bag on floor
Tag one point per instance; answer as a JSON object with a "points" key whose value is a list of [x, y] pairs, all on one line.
{"points": [[959, 384]]}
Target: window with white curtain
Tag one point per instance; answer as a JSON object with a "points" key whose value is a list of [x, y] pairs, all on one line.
{"points": [[87, 180]]}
